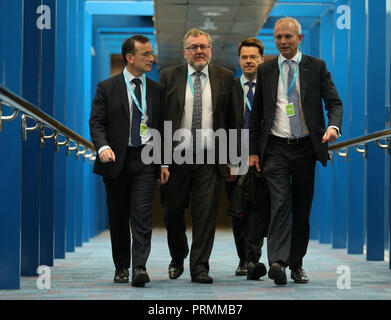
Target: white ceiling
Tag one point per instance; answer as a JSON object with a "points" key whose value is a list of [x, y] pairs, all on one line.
{"points": [[227, 21]]}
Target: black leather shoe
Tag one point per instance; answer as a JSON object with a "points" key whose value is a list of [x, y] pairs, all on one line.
{"points": [[241, 270], [140, 277], [202, 278], [255, 270], [277, 273], [299, 276], [174, 270], [121, 276]]}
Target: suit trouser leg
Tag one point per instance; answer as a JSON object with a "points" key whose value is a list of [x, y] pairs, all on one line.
{"points": [[302, 195], [175, 199], [206, 184], [129, 198], [254, 232], [142, 189], [237, 226], [279, 236], [118, 203], [289, 172]]}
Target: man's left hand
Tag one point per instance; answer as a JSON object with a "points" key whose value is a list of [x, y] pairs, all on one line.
{"points": [[331, 135], [164, 175]]}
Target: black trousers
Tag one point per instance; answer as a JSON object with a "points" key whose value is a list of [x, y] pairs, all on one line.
{"points": [[289, 170], [247, 231], [129, 198], [200, 185]]}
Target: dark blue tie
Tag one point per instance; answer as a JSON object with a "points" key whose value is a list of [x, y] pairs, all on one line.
{"points": [[250, 96], [135, 138]]}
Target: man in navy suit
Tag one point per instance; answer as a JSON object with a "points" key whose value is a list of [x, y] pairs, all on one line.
{"points": [[125, 109], [248, 243], [287, 136]]}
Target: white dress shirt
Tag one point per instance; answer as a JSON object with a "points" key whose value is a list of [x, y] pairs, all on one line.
{"points": [[281, 126], [207, 111], [145, 139]]}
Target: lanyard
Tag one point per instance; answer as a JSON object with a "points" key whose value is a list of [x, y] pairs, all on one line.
{"points": [[143, 98], [294, 77], [191, 83], [247, 101]]}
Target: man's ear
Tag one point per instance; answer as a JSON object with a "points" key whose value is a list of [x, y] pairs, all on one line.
{"points": [[129, 58]]}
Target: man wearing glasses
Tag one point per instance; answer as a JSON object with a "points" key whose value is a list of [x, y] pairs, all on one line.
{"points": [[248, 240], [196, 97]]}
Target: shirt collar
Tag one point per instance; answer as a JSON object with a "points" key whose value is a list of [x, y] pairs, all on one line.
{"points": [[205, 70], [245, 80], [130, 76], [295, 58]]}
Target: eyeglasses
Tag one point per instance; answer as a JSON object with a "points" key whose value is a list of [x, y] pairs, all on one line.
{"points": [[195, 47], [254, 57]]}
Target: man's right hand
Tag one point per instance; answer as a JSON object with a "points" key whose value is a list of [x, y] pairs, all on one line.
{"points": [[254, 160], [107, 155]]}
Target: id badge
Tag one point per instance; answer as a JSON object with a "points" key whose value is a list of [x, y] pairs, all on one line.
{"points": [[143, 130], [290, 110]]}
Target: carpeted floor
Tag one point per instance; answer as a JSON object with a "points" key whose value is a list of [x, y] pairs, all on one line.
{"points": [[88, 273]]}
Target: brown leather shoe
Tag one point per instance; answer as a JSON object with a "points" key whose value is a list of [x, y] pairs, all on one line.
{"points": [[241, 270], [255, 270], [174, 271], [202, 278], [277, 273], [299, 276], [121, 276], [140, 277]]}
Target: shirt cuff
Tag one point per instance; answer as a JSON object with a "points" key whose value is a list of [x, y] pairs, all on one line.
{"points": [[336, 128], [103, 148]]}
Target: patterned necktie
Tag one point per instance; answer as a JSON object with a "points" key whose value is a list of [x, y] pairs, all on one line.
{"points": [[250, 96], [135, 138], [197, 107], [293, 97]]}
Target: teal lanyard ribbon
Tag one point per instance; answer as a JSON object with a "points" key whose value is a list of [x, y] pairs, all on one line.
{"points": [[242, 84], [191, 83], [143, 97], [294, 77]]}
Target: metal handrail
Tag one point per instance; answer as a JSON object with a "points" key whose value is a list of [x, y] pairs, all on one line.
{"points": [[43, 120], [362, 142]]}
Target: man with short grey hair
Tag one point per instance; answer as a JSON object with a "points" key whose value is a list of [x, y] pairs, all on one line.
{"points": [[287, 136]]}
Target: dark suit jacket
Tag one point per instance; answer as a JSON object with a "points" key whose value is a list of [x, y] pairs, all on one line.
{"points": [[110, 120], [315, 85], [173, 81]]}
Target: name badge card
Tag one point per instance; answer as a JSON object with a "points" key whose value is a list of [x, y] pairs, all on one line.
{"points": [[290, 110]]}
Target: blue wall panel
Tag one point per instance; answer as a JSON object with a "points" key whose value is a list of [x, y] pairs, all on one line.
{"points": [[357, 127], [48, 46], [60, 170], [376, 121], [341, 80], [31, 150], [325, 174], [10, 140]]}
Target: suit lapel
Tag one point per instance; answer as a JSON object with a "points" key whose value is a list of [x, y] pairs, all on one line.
{"points": [[149, 101], [239, 102], [304, 77], [123, 94], [180, 84], [275, 77], [214, 86]]}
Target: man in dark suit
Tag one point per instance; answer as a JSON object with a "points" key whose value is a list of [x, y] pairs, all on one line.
{"points": [[196, 97], [250, 53], [287, 136], [125, 109]]}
